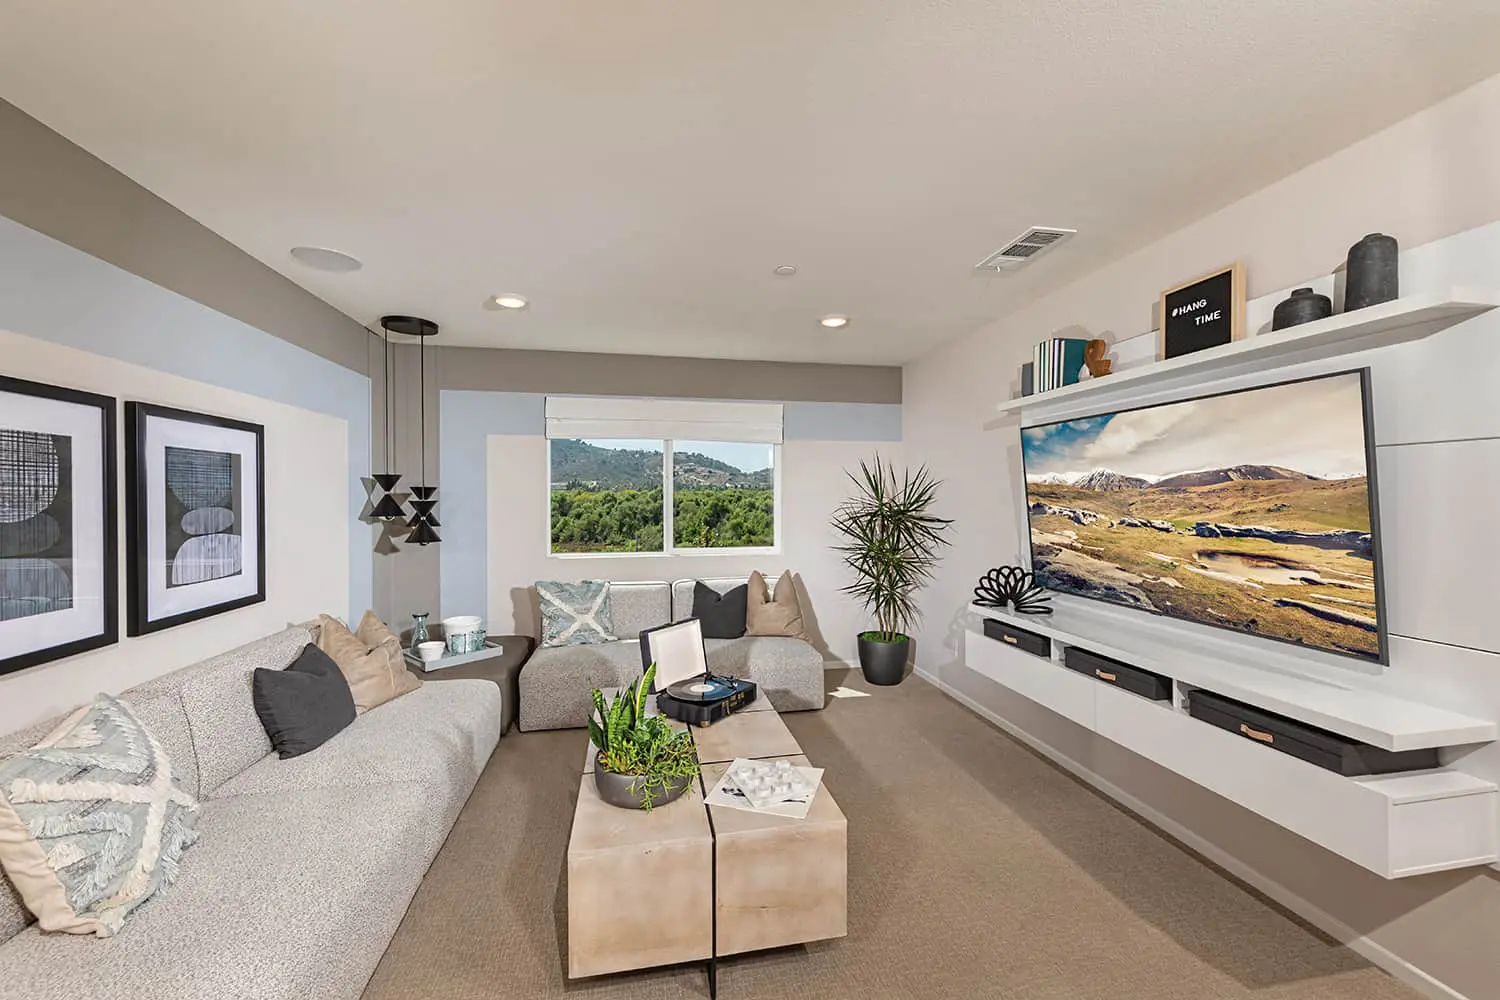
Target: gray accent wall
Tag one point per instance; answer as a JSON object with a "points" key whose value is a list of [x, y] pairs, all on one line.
{"points": [[55, 187], [469, 419], [56, 293], [581, 374]]}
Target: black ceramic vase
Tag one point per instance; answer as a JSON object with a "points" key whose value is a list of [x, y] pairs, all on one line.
{"points": [[1303, 306], [884, 663], [1371, 272]]}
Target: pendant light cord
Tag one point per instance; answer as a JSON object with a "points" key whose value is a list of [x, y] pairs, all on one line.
{"points": [[422, 378]]}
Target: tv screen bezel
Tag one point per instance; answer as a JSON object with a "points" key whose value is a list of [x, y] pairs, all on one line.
{"points": [[1372, 494]]}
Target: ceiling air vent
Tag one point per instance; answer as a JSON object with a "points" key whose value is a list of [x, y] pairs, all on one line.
{"points": [[1024, 248]]}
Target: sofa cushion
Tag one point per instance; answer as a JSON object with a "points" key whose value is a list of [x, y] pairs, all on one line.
{"points": [[555, 683], [303, 706], [575, 614], [788, 672], [721, 615], [639, 606], [683, 591], [371, 661], [92, 821], [774, 613], [226, 732], [295, 894], [439, 734]]}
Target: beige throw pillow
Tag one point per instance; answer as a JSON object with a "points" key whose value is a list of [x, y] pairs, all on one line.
{"points": [[370, 659], [774, 614]]}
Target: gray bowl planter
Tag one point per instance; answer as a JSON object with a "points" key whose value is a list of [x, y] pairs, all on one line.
{"points": [[884, 663], [625, 790]]}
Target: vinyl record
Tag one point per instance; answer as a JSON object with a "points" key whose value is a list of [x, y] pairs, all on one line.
{"points": [[699, 689]]}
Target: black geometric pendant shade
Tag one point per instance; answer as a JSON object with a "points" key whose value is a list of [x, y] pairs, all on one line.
{"points": [[386, 480], [388, 508], [422, 533]]}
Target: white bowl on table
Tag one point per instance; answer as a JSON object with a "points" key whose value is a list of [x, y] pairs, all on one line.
{"points": [[464, 633], [429, 651]]}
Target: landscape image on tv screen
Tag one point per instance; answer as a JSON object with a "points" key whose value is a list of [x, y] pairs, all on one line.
{"points": [[1249, 511]]}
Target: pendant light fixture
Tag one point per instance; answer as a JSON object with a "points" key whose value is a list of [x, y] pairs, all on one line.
{"points": [[387, 508], [424, 496]]}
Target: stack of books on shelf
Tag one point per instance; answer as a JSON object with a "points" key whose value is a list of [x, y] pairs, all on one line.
{"points": [[1056, 362]]}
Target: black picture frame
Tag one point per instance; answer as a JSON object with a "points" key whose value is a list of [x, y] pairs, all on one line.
{"points": [[139, 617], [109, 593], [1382, 657]]}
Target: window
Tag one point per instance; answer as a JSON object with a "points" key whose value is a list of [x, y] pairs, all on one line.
{"points": [[608, 496], [723, 495], [662, 475]]}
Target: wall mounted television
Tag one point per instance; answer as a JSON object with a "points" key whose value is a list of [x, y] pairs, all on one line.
{"points": [[1253, 510]]}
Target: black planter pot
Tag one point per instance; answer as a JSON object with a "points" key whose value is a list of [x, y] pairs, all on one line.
{"points": [[624, 790], [884, 663]]}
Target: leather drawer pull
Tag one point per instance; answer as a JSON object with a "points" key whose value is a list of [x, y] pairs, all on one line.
{"points": [[1103, 676], [1009, 638], [1256, 734]]}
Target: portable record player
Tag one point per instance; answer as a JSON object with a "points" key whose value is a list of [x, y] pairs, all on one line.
{"points": [[686, 689]]}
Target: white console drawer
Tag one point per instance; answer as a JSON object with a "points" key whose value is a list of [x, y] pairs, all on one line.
{"points": [[1045, 682], [1395, 825]]}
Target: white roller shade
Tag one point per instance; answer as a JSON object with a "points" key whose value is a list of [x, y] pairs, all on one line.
{"points": [[677, 419]]}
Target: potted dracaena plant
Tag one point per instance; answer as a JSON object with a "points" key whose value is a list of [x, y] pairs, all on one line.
{"points": [[891, 542], [640, 761]]}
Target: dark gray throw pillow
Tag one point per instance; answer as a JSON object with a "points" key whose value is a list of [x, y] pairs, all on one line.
{"points": [[722, 615], [303, 706]]}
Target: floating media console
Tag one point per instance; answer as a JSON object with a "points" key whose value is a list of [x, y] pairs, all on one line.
{"points": [[1395, 824]]}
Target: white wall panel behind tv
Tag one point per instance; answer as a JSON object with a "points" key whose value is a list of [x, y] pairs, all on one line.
{"points": [[1437, 507]]}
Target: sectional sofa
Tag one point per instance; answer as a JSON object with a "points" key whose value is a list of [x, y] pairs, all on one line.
{"points": [[556, 681], [303, 867]]}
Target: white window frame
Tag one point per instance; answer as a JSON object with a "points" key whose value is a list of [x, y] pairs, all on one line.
{"points": [[669, 546]]}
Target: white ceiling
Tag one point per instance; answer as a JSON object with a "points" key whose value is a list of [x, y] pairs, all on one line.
{"points": [[637, 169]]}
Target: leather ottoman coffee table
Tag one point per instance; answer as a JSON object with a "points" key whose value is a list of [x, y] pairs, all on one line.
{"points": [[737, 881]]}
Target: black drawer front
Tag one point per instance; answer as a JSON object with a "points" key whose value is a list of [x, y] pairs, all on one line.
{"points": [[1018, 637], [1330, 751], [1110, 671]]}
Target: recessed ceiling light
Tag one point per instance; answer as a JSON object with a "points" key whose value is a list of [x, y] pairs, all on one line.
{"points": [[324, 259], [507, 301], [835, 321], [785, 270]]}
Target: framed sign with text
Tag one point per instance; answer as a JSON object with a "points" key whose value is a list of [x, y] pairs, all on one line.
{"points": [[1206, 312]]}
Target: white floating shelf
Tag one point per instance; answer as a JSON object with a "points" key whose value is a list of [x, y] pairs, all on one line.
{"points": [[1396, 825], [1380, 720], [1400, 321]]}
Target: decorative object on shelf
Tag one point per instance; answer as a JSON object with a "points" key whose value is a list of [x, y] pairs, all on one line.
{"points": [[388, 507], [1303, 306], [1095, 358], [423, 496], [891, 543], [1028, 378], [1372, 273], [57, 523], [195, 515], [1012, 586], [1057, 361], [464, 633], [640, 761], [418, 628], [1208, 311]]}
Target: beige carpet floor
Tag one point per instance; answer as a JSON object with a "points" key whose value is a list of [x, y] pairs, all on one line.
{"points": [[976, 869]]}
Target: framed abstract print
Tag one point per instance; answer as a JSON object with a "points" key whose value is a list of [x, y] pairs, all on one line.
{"points": [[58, 574], [195, 496]]}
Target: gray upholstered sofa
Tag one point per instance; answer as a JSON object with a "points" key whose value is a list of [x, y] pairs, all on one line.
{"points": [[303, 868], [556, 681]]}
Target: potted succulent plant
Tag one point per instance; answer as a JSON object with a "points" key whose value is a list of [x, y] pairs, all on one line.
{"points": [[640, 761], [891, 543]]}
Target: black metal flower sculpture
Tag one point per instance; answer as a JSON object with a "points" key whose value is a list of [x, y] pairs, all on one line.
{"points": [[1014, 586]]}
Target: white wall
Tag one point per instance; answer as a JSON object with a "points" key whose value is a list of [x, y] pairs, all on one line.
{"points": [[1438, 430], [307, 541], [812, 484]]}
